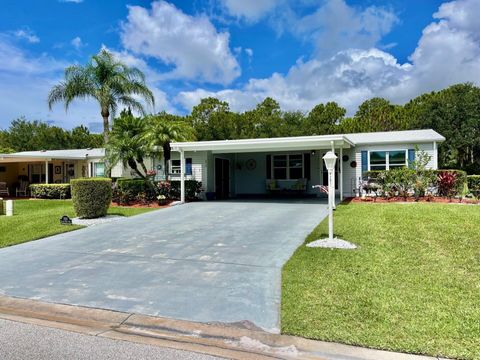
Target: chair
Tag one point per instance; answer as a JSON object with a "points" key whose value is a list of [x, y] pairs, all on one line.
{"points": [[4, 189], [22, 190]]}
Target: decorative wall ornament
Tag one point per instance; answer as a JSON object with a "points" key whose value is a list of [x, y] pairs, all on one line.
{"points": [[250, 164]]}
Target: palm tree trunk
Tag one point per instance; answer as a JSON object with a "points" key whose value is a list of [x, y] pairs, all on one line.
{"points": [[106, 131]]}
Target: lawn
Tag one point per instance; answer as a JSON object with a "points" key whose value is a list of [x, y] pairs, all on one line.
{"points": [[35, 219], [412, 286]]}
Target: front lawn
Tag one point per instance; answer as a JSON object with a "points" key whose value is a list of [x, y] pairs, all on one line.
{"points": [[412, 286], [35, 219]]}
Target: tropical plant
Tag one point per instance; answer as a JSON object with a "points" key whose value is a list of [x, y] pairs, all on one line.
{"points": [[163, 129], [127, 145], [447, 181], [107, 80]]}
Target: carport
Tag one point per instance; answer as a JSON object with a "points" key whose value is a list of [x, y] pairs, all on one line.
{"points": [[261, 166]]}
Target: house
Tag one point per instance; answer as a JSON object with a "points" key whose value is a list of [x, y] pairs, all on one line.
{"points": [[246, 167]]}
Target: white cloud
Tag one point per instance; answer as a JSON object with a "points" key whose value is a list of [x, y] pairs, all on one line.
{"points": [[28, 35], [77, 43], [190, 44], [250, 10], [447, 53], [71, 1]]}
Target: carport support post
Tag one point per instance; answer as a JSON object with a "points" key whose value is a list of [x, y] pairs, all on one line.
{"points": [[46, 172], [340, 184], [332, 143], [182, 176]]}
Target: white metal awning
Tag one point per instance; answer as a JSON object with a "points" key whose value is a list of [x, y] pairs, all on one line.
{"points": [[266, 144]]}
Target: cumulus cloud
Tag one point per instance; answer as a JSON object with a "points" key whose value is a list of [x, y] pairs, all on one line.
{"points": [[250, 10], [28, 35], [190, 44], [448, 52], [77, 43]]}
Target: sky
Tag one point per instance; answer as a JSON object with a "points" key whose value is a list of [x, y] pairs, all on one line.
{"points": [[301, 52]]}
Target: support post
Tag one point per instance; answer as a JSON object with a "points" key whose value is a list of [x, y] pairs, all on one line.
{"points": [[46, 172], [182, 176], [331, 196], [340, 176]]}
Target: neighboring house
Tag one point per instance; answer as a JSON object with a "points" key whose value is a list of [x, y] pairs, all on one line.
{"points": [[234, 168]]}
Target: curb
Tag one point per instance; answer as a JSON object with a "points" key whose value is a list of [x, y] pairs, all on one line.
{"points": [[213, 339]]}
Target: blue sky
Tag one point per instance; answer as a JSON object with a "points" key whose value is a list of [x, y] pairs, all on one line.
{"points": [[300, 52]]}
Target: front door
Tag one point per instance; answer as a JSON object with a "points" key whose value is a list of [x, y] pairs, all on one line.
{"points": [[222, 178]]}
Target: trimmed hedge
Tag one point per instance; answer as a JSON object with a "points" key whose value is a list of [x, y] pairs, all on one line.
{"points": [[91, 197], [50, 191], [171, 189], [473, 182]]}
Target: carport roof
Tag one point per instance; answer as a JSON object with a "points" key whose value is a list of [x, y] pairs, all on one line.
{"points": [[48, 155], [311, 142]]}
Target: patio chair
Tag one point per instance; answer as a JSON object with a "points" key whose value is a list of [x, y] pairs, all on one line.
{"points": [[4, 189], [22, 189]]}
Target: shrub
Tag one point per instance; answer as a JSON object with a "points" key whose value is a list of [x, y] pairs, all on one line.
{"points": [[50, 191], [473, 182], [451, 185], [128, 190], [171, 189], [91, 197]]}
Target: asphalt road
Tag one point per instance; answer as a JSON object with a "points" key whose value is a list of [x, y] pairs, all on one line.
{"points": [[19, 341]]}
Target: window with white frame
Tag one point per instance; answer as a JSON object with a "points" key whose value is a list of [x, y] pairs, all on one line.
{"points": [[386, 160], [286, 167], [98, 169], [175, 167]]}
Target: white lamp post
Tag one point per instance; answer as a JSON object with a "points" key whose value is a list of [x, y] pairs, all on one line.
{"points": [[330, 158]]}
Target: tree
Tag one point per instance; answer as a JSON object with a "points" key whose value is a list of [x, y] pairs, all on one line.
{"points": [[163, 129], [324, 119], [127, 145], [109, 81], [376, 114], [212, 120], [81, 138]]}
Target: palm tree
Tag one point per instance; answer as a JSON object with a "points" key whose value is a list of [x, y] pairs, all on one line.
{"points": [[161, 130], [126, 144], [109, 81]]}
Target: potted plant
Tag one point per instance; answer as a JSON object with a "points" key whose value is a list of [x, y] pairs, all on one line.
{"points": [[162, 200]]}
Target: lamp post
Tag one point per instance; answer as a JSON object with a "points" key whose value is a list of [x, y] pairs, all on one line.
{"points": [[330, 158]]}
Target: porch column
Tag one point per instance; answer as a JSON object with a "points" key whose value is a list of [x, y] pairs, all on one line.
{"points": [[340, 184], [46, 172], [182, 176]]}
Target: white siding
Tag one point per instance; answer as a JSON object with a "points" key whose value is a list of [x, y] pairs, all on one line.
{"points": [[353, 175]]}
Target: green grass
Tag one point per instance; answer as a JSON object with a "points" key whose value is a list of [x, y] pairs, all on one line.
{"points": [[412, 286], [35, 219]]}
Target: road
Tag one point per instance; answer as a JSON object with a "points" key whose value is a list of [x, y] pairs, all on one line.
{"points": [[19, 341]]}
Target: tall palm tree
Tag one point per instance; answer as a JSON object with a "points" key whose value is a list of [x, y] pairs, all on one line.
{"points": [[163, 129], [126, 144], [107, 80]]}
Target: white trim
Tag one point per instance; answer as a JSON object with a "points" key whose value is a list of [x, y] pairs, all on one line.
{"points": [[387, 157], [182, 176]]}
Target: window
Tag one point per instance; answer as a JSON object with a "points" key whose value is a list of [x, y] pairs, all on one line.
{"points": [[99, 169], [175, 167], [287, 166], [386, 160]]}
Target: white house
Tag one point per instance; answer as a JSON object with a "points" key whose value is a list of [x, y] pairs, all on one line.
{"points": [[235, 168], [247, 167]]}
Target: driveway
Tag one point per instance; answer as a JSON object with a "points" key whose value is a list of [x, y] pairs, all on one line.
{"points": [[204, 261]]}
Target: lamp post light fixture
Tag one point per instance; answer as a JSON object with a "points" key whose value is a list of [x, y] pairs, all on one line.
{"points": [[330, 159]]}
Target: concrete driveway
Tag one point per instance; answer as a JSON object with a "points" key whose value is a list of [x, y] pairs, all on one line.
{"points": [[205, 261]]}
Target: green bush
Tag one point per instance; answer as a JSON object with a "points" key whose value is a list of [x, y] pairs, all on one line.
{"points": [[192, 189], [473, 182], [128, 190], [50, 191], [91, 197]]}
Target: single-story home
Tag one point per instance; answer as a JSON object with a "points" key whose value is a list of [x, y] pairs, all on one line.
{"points": [[246, 167]]}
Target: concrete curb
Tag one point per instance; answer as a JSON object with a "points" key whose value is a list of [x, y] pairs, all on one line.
{"points": [[212, 339]]}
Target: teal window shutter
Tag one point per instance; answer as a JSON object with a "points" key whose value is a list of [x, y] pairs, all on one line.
{"points": [[411, 157], [364, 162]]}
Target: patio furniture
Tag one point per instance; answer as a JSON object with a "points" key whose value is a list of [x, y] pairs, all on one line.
{"points": [[4, 189], [22, 189], [286, 186]]}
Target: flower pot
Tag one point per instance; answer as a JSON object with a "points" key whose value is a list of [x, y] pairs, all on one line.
{"points": [[210, 196]]}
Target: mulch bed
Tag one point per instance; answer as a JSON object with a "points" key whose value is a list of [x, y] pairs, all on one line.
{"points": [[152, 205], [436, 199]]}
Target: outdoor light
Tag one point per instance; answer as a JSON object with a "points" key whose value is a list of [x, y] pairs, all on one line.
{"points": [[313, 152], [330, 158]]}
